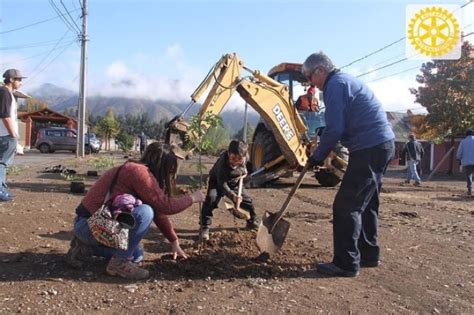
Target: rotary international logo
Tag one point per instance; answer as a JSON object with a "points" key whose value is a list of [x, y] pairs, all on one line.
{"points": [[433, 31]]}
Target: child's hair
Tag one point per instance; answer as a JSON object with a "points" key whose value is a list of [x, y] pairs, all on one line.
{"points": [[238, 147]]}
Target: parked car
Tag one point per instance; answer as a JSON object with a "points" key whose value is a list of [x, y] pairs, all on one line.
{"points": [[51, 139], [96, 142]]}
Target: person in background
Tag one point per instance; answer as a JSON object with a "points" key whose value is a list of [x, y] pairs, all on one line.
{"points": [[144, 179], [465, 154], [355, 117], [413, 153], [142, 139], [9, 135], [308, 101]]}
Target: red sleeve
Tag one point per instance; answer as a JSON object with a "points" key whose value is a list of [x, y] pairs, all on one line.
{"points": [[150, 193], [166, 227]]}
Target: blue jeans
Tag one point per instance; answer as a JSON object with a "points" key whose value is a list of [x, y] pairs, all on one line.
{"points": [[143, 216], [356, 207], [412, 173], [7, 153]]}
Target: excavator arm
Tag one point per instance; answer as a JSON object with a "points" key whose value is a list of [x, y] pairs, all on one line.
{"points": [[270, 98]]}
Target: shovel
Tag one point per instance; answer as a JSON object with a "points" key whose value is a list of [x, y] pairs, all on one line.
{"points": [[273, 229], [235, 209]]}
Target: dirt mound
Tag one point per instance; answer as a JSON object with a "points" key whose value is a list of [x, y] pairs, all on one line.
{"points": [[230, 254]]}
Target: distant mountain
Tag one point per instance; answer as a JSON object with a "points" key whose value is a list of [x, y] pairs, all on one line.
{"points": [[52, 94], [60, 99]]}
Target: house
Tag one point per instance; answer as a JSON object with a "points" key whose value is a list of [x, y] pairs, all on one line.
{"points": [[434, 153], [46, 117]]}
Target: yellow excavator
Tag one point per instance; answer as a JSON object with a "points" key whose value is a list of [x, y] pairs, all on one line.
{"points": [[283, 138]]}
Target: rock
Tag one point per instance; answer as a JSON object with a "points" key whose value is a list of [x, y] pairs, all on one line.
{"points": [[131, 288]]}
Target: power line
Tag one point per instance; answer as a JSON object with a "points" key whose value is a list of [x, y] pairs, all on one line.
{"points": [[403, 71], [373, 53], [383, 67], [52, 60], [60, 14], [32, 24], [394, 74], [32, 45], [72, 20], [46, 57], [31, 57], [391, 44]]}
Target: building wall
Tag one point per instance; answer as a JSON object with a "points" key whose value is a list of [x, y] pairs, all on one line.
{"points": [[439, 150]]}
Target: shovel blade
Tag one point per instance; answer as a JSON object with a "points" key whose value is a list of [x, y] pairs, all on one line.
{"points": [[271, 241]]}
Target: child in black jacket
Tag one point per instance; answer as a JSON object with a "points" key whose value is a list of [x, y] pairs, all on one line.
{"points": [[224, 181]]}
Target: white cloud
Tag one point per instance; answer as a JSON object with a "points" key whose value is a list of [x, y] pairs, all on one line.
{"points": [[395, 95], [116, 70]]}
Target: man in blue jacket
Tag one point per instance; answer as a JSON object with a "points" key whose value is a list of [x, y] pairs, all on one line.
{"points": [[355, 117], [466, 155]]}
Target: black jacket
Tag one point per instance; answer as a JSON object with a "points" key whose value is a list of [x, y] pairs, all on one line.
{"points": [[413, 151], [224, 178]]}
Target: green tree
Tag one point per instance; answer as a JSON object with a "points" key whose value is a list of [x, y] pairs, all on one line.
{"points": [[447, 92], [124, 140], [218, 138], [199, 127], [108, 127]]}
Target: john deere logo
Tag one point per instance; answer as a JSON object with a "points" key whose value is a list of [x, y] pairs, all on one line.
{"points": [[433, 31]]}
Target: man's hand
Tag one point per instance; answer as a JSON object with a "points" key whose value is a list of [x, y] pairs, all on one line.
{"points": [[314, 162]]}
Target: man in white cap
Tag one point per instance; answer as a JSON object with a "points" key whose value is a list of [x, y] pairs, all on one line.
{"points": [[8, 127]]}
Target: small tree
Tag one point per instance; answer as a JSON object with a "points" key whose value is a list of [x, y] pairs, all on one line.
{"points": [[124, 140], [108, 127]]}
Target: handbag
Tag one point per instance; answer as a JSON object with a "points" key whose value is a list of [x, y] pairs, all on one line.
{"points": [[105, 228]]}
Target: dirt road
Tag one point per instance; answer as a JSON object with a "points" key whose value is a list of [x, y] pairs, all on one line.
{"points": [[426, 235]]}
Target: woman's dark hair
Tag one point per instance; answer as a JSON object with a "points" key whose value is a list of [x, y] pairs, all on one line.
{"points": [[163, 164]]}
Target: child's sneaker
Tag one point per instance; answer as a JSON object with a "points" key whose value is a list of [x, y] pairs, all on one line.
{"points": [[204, 233], [124, 268], [252, 225]]}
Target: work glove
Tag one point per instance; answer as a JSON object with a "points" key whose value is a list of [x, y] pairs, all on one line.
{"points": [[313, 162]]}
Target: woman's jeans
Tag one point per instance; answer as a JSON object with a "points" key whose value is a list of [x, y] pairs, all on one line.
{"points": [[143, 217]]}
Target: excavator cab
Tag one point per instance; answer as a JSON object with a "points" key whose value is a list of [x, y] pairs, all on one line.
{"points": [[291, 75]]}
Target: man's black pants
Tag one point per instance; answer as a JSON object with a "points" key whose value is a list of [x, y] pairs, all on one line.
{"points": [[356, 207], [469, 170], [214, 195]]}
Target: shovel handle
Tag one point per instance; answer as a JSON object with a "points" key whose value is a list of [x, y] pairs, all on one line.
{"points": [[239, 193], [285, 205]]}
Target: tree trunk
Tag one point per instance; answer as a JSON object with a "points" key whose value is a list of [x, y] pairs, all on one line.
{"points": [[451, 157]]}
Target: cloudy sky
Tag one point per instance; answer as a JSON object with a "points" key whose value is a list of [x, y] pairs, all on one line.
{"points": [[163, 49]]}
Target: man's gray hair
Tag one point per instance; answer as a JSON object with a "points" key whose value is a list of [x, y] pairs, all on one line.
{"points": [[317, 60]]}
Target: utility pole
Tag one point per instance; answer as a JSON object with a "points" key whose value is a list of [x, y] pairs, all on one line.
{"points": [[82, 85], [244, 133]]}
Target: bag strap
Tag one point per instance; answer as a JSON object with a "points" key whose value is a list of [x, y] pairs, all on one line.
{"points": [[112, 184]]}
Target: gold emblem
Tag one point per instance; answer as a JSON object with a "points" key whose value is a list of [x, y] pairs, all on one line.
{"points": [[433, 31]]}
